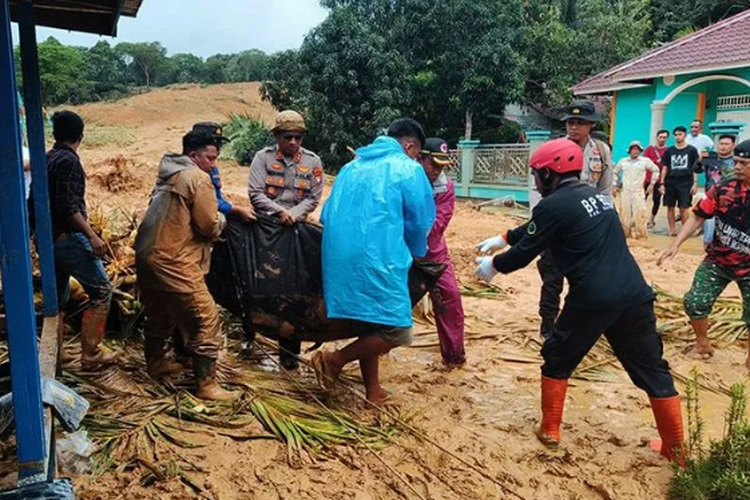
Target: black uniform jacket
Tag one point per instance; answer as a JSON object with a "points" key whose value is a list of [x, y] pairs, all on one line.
{"points": [[583, 232]]}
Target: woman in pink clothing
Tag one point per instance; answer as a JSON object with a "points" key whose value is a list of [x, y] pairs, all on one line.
{"points": [[449, 311]]}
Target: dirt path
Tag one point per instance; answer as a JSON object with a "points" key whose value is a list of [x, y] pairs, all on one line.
{"points": [[483, 413]]}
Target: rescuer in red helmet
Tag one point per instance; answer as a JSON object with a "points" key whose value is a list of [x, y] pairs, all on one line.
{"points": [[607, 292]]}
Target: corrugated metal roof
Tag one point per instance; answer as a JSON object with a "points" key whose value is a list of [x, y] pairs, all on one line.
{"points": [[723, 45], [91, 16]]}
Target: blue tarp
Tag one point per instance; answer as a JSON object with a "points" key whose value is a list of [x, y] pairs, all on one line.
{"points": [[376, 220]]}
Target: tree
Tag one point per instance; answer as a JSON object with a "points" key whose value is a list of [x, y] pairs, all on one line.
{"points": [[145, 58], [248, 66], [287, 82], [216, 69], [347, 80], [464, 82], [61, 69], [673, 16], [441, 81], [188, 68], [106, 70], [557, 56]]}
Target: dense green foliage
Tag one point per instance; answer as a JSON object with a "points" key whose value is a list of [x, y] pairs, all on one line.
{"points": [[77, 74], [248, 136], [723, 471], [671, 17]]}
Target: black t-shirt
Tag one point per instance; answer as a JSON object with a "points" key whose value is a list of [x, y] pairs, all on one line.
{"points": [[584, 233], [680, 164]]}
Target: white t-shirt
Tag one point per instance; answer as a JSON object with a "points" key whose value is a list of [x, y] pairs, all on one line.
{"points": [[701, 142], [26, 174]]}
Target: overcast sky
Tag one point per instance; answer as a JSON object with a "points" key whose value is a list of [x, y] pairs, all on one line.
{"points": [[207, 28]]}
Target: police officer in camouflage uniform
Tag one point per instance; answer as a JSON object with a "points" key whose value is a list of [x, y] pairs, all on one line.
{"points": [[286, 181]]}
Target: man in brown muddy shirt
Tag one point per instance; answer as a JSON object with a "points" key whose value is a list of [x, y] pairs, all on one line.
{"points": [[173, 249]]}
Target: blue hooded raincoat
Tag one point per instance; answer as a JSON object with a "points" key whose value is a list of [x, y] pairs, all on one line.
{"points": [[376, 220]]}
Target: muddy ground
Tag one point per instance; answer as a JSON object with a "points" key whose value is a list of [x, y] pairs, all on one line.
{"points": [[483, 413]]}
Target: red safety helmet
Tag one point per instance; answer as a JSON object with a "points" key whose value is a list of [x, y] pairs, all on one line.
{"points": [[560, 156]]}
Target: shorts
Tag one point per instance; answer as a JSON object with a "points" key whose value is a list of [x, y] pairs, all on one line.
{"points": [[399, 336], [678, 195]]}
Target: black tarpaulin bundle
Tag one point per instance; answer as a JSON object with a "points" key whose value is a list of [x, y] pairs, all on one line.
{"points": [[270, 275]]}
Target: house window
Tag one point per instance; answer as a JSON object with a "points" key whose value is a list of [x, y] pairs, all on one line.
{"points": [[733, 102]]}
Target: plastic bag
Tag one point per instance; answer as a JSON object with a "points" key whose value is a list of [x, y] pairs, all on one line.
{"points": [[59, 489], [74, 453], [69, 407]]}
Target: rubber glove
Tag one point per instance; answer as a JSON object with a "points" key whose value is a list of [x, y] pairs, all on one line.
{"points": [[491, 245], [485, 270]]}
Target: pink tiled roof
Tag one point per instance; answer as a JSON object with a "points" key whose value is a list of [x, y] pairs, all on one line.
{"points": [[723, 45]]}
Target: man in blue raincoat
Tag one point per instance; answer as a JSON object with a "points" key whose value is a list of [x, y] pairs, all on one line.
{"points": [[376, 221]]}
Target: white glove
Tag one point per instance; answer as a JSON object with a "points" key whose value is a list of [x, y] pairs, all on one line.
{"points": [[485, 270], [491, 245]]}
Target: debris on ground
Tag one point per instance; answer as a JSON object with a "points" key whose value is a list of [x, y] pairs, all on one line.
{"points": [[116, 174]]}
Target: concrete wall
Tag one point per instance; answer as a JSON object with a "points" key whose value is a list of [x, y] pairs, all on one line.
{"points": [[681, 111], [632, 119]]}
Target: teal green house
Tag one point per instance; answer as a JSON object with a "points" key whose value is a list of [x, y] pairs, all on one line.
{"points": [[703, 76]]}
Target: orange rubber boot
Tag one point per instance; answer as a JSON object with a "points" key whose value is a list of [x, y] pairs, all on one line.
{"points": [[553, 402], [668, 416]]}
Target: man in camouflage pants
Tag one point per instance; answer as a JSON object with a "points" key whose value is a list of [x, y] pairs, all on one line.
{"points": [[728, 259]]}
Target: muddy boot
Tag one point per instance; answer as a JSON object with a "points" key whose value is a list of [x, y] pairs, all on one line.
{"points": [[93, 353], [204, 370], [668, 416], [157, 364], [289, 349], [553, 402]]}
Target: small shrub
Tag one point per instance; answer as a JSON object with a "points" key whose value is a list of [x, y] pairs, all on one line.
{"points": [[723, 472], [248, 135]]}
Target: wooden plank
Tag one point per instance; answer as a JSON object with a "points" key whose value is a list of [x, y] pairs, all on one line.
{"points": [[48, 348]]}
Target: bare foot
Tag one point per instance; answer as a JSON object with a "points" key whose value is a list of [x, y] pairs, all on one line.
{"points": [[673, 233], [701, 351], [377, 395], [326, 370]]}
